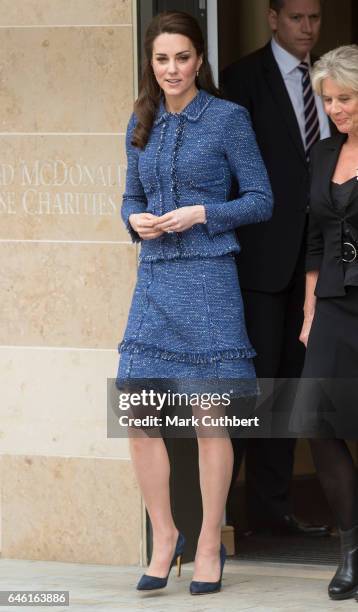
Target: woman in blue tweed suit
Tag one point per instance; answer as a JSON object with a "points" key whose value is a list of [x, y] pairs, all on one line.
{"points": [[185, 146]]}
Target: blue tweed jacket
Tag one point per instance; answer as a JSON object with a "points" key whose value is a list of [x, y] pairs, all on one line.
{"points": [[192, 158]]}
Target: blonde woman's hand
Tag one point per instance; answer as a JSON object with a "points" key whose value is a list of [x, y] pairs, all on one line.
{"points": [[306, 329], [181, 219], [145, 225]]}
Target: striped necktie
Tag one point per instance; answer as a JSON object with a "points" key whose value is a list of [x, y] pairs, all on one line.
{"points": [[312, 129]]}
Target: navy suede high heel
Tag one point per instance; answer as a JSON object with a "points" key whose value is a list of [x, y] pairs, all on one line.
{"points": [[150, 583], [204, 588]]}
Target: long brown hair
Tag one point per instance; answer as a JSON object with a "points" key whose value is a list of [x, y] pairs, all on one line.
{"points": [[146, 105]]}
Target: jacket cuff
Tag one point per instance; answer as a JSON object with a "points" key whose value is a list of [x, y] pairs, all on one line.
{"points": [[313, 262], [213, 219], [129, 208]]}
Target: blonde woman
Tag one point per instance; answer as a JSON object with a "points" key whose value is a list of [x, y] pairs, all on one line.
{"points": [[330, 328]]}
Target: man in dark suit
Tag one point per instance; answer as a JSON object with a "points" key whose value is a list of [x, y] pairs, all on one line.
{"points": [[273, 84]]}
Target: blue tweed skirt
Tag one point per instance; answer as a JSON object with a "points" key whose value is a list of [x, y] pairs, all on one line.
{"points": [[186, 321]]}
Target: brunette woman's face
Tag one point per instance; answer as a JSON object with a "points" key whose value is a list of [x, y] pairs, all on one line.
{"points": [[175, 64]]}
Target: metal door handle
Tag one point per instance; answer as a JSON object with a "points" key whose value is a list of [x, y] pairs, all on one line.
{"points": [[202, 5]]}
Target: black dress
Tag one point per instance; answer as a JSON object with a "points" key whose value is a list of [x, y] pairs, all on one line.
{"points": [[327, 397]]}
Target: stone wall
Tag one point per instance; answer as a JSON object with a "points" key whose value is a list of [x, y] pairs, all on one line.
{"points": [[68, 270]]}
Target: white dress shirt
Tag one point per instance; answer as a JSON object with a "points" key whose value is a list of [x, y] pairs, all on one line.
{"points": [[292, 76]]}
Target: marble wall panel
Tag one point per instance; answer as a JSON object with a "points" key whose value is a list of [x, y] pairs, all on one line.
{"points": [[74, 295], [66, 79], [69, 12], [54, 402], [62, 187], [60, 76], [0, 498], [70, 509]]}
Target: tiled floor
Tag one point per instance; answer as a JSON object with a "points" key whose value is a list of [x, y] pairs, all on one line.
{"points": [[260, 587]]}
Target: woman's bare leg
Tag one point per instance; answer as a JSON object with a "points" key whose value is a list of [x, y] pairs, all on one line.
{"points": [[215, 466], [152, 469]]}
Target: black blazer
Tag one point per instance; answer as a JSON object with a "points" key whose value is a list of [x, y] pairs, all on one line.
{"points": [[324, 248], [270, 250]]}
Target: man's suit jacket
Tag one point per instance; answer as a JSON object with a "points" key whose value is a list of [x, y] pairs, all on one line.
{"points": [[270, 250], [327, 222]]}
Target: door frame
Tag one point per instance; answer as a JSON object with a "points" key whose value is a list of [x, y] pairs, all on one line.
{"points": [[213, 37]]}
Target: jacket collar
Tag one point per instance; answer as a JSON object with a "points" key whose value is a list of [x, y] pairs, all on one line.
{"points": [[192, 111], [335, 142]]}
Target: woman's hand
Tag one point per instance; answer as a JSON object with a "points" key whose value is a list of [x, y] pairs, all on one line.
{"points": [[309, 305], [145, 225], [306, 328], [181, 219]]}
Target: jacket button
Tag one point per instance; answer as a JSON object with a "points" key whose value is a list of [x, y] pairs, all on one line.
{"points": [[307, 208]]}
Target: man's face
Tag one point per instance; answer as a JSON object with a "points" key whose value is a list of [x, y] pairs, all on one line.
{"points": [[296, 26]]}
